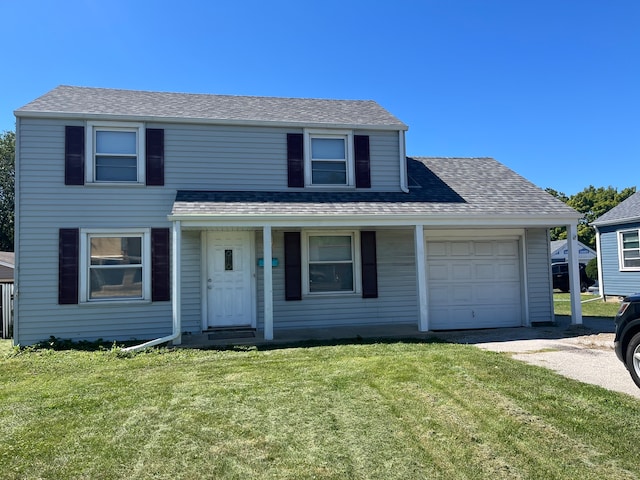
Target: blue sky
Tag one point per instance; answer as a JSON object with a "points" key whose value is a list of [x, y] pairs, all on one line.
{"points": [[551, 88]]}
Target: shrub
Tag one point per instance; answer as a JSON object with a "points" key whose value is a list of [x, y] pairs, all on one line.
{"points": [[591, 269]]}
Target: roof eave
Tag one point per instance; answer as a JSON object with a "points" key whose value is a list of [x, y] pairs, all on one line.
{"points": [[617, 221], [333, 220], [204, 121]]}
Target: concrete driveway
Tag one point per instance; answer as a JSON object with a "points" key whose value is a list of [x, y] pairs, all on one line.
{"points": [[584, 353]]}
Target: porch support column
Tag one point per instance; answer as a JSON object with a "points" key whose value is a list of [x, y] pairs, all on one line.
{"points": [[421, 280], [599, 260], [176, 294], [574, 274], [268, 282]]}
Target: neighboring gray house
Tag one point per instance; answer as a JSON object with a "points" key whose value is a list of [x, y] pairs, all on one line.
{"points": [[145, 215], [618, 245], [560, 252]]}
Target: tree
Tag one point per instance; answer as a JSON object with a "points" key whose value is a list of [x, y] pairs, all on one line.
{"points": [[591, 269], [7, 189], [592, 202]]}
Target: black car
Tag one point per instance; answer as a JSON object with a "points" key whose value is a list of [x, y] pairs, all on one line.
{"points": [[560, 272], [627, 339]]}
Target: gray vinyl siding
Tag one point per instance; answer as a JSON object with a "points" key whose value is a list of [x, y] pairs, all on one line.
{"points": [[616, 282], [45, 206], [196, 157], [191, 282], [538, 270], [385, 160], [204, 157], [396, 302]]}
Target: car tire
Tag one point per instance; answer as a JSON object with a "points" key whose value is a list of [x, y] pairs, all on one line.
{"points": [[583, 287], [632, 358]]}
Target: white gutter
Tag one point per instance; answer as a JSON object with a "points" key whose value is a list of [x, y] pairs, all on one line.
{"points": [[617, 221], [175, 294], [351, 220]]}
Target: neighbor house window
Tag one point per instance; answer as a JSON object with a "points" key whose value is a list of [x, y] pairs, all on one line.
{"points": [[330, 263], [116, 266], [329, 159], [629, 244], [116, 153]]}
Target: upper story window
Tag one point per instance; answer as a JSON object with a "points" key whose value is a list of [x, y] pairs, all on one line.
{"points": [[115, 153], [329, 158], [629, 249]]}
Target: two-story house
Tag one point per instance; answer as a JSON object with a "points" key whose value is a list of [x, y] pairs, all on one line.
{"points": [[147, 215]]}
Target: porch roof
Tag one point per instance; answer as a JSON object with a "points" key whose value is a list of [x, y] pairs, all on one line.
{"points": [[471, 188]]}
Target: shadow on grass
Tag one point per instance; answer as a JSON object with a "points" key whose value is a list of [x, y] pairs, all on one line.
{"points": [[329, 342], [59, 344], [562, 328]]}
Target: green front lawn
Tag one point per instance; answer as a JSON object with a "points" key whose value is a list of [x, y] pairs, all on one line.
{"points": [[595, 308], [353, 411]]}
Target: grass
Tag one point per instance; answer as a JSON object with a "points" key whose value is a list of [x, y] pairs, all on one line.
{"points": [[596, 308], [398, 410]]}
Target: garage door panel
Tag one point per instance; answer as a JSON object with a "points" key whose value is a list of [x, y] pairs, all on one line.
{"points": [[439, 272], [508, 271], [438, 249], [507, 248], [483, 249], [460, 272], [484, 271], [476, 285], [490, 318], [460, 294], [439, 296], [461, 249], [484, 294]]}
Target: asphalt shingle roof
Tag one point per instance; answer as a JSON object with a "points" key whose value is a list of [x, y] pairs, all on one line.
{"points": [[624, 212], [85, 101], [438, 186]]}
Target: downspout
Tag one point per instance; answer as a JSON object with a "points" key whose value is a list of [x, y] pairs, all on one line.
{"points": [[17, 235], [176, 296], [404, 184], [599, 260]]}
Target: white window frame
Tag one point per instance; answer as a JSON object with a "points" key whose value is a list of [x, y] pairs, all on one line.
{"points": [[621, 233], [355, 252], [85, 262], [347, 135], [92, 128]]}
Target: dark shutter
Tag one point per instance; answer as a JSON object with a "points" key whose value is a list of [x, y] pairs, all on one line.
{"points": [[295, 159], [363, 169], [68, 257], [74, 155], [154, 152], [369, 265], [160, 265], [292, 266]]}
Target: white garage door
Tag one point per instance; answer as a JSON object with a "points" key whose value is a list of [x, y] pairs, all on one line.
{"points": [[473, 284]]}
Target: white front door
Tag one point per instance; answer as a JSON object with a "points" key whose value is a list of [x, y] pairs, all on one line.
{"points": [[229, 286]]}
